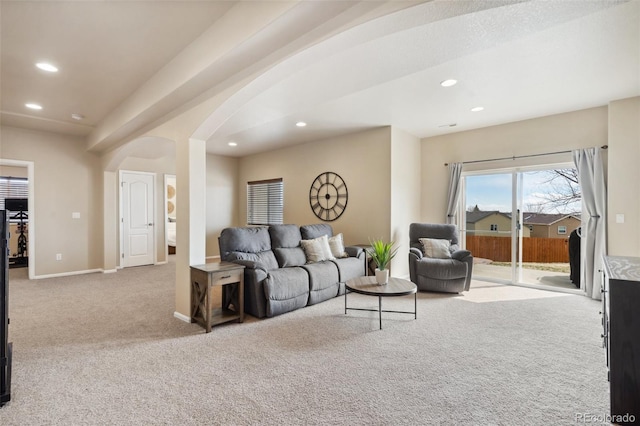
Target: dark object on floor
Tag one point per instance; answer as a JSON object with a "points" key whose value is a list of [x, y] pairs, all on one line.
{"points": [[574, 256], [5, 347]]}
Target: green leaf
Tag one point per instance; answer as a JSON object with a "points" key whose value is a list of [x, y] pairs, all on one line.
{"points": [[382, 252]]}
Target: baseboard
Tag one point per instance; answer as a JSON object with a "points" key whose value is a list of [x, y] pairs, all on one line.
{"points": [[182, 317], [67, 274], [109, 271]]}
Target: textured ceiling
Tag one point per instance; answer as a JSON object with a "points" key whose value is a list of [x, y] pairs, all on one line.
{"points": [[339, 66]]}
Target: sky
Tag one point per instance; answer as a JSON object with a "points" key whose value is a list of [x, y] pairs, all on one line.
{"points": [[493, 192]]}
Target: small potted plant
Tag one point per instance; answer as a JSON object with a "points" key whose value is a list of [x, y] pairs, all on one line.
{"points": [[382, 253]]}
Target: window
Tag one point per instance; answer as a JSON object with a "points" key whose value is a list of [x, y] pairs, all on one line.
{"points": [[494, 227], [12, 187], [562, 229], [265, 202]]}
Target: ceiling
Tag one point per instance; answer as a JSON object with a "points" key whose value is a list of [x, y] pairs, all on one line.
{"points": [[341, 67]]}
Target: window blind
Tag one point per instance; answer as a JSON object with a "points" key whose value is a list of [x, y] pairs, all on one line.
{"points": [[12, 187], [265, 202]]}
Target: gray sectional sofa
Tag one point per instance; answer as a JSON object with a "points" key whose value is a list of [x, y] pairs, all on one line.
{"points": [[277, 277]]}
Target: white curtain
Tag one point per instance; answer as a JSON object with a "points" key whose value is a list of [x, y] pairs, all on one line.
{"points": [[594, 218], [455, 171]]}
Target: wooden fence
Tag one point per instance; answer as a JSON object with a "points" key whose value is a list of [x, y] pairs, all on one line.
{"points": [[539, 250]]}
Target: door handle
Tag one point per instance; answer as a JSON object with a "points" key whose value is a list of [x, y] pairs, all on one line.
{"points": [[150, 224]]}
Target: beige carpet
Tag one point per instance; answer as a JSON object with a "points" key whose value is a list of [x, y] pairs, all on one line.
{"points": [[106, 350]]}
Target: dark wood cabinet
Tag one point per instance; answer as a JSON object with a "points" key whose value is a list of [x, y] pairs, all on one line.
{"points": [[621, 334]]}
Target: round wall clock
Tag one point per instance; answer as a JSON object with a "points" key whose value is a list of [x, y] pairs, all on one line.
{"points": [[328, 196]]}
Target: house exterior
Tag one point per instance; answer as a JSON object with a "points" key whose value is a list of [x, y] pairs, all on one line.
{"points": [[536, 225], [490, 223], [544, 225]]}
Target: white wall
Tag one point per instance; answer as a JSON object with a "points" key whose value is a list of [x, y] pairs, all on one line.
{"points": [[405, 195], [561, 132], [623, 177], [67, 179], [361, 159]]}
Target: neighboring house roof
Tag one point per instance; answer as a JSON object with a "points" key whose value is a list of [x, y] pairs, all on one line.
{"points": [[528, 218], [545, 218], [477, 215]]}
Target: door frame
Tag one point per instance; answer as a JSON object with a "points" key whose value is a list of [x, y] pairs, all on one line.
{"points": [[167, 176], [121, 215], [516, 236], [31, 241]]}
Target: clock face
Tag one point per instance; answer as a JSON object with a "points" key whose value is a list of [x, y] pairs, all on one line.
{"points": [[328, 196]]}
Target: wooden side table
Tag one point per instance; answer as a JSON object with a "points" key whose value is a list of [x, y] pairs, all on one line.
{"points": [[204, 279]]}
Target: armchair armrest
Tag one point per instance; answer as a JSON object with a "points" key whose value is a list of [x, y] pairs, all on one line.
{"points": [[460, 254], [415, 252]]}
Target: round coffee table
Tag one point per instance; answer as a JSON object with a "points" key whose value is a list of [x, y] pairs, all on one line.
{"points": [[395, 287]]}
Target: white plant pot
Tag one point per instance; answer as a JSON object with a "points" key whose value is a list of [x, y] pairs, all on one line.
{"points": [[382, 276]]}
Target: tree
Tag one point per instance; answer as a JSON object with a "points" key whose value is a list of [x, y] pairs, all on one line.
{"points": [[561, 192]]}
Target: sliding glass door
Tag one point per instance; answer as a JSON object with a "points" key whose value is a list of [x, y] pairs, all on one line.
{"points": [[522, 225]]}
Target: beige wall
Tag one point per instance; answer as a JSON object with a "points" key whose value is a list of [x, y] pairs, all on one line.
{"points": [[623, 177], [361, 159], [222, 198], [405, 195], [577, 129], [67, 179]]}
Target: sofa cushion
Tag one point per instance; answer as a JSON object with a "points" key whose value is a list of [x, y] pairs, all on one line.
{"points": [[349, 267], [317, 249], [264, 258], [323, 281], [310, 232], [285, 290], [285, 236], [435, 247], [290, 256], [441, 269], [247, 240]]}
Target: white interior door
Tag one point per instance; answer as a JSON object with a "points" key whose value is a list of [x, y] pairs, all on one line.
{"points": [[137, 201]]}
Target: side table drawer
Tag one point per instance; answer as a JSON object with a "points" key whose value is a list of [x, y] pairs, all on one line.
{"points": [[221, 278]]}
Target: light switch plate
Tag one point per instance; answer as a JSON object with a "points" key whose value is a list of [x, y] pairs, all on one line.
{"points": [[75, 215], [619, 218]]}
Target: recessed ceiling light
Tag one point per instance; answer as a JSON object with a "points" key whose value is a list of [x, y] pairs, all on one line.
{"points": [[301, 124], [448, 83], [232, 144], [448, 125], [44, 66], [76, 116], [33, 106], [476, 109]]}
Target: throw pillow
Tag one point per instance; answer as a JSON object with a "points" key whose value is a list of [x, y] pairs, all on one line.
{"points": [[336, 243], [317, 250], [435, 248]]}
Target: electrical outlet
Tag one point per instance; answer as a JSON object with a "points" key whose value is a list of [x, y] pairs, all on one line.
{"points": [[59, 256]]}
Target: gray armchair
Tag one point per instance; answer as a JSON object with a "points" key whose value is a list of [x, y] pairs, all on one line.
{"points": [[448, 272]]}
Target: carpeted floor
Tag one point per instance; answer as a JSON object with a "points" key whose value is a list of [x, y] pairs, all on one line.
{"points": [[105, 349]]}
